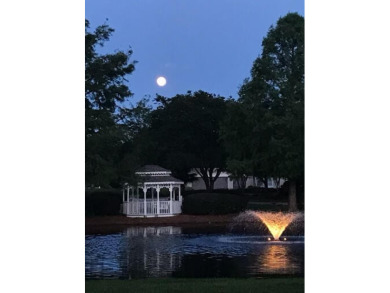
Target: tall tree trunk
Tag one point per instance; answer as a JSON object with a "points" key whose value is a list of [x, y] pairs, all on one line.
{"points": [[292, 196], [211, 179], [265, 181], [207, 175], [277, 181], [242, 181], [207, 183]]}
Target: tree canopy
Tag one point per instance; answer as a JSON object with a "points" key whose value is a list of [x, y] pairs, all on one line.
{"points": [[105, 90], [184, 134], [272, 101]]}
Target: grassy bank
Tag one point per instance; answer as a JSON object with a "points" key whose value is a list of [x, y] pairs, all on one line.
{"points": [[276, 285], [115, 224]]}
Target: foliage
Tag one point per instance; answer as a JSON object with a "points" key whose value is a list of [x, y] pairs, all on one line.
{"points": [[283, 60], [239, 171], [213, 203], [236, 137], [135, 119], [273, 103], [184, 133], [108, 125], [102, 202], [267, 206], [105, 73]]}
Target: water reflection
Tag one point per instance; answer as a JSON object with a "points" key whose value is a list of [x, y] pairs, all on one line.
{"points": [[277, 259], [147, 231], [274, 257], [148, 252], [140, 252]]}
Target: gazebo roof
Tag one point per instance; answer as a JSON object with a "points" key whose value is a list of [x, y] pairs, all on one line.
{"points": [[157, 174], [161, 179], [151, 169]]}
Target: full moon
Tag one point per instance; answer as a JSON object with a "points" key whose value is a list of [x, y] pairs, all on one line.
{"points": [[161, 81]]}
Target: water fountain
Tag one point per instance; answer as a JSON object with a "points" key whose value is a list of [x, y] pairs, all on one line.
{"points": [[274, 222]]}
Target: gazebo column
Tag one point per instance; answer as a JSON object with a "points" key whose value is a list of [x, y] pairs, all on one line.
{"points": [[158, 199], [137, 202], [128, 204], [170, 198], [133, 202], [123, 201], [180, 198], [145, 190], [152, 201]]}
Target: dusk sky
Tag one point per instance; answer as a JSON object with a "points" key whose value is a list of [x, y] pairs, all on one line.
{"points": [[197, 45]]}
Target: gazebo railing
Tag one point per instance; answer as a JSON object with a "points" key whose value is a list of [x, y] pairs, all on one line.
{"points": [[164, 207], [137, 207], [176, 207]]}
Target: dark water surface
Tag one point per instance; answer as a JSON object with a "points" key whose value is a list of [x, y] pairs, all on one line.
{"points": [[143, 252]]}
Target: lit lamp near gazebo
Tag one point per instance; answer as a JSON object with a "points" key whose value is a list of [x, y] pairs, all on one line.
{"points": [[157, 195]]}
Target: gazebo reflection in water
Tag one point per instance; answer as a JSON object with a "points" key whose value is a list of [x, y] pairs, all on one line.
{"points": [[148, 231], [151, 260]]}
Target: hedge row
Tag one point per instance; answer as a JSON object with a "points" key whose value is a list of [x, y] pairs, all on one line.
{"points": [[107, 203], [213, 204], [103, 202]]}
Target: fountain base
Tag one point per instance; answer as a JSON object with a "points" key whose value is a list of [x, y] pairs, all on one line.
{"points": [[263, 240], [279, 239]]}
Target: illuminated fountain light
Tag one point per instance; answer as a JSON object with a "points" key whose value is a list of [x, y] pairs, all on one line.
{"points": [[276, 222]]}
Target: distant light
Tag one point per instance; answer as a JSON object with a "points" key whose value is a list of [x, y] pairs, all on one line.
{"points": [[161, 81], [269, 239], [284, 238]]}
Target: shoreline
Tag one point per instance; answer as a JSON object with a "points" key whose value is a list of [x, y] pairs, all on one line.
{"points": [[107, 224], [260, 285]]}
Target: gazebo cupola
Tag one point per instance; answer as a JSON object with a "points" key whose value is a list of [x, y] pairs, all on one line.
{"points": [[157, 194]]}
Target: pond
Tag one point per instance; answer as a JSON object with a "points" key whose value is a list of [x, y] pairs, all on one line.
{"points": [[152, 252]]}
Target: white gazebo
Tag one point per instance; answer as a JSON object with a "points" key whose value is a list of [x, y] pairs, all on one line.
{"points": [[158, 194]]}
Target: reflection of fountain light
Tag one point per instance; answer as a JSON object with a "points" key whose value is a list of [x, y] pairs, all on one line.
{"points": [[274, 258], [276, 222]]}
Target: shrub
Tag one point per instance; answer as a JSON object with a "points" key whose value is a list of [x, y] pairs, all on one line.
{"points": [[223, 191], [103, 202], [300, 191], [213, 204]]}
